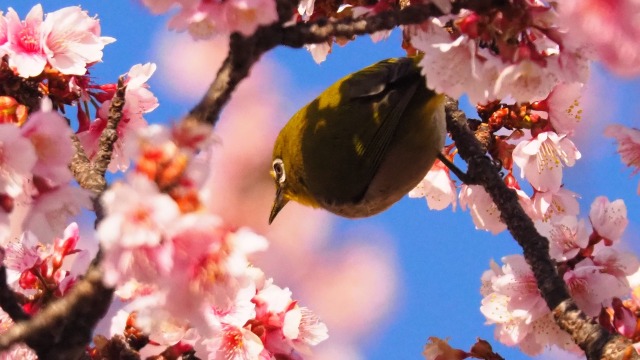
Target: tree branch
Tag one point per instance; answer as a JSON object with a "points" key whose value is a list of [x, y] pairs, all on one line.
{"points": [[596, 341], [9, 301], [63, 329], [246, 51]]}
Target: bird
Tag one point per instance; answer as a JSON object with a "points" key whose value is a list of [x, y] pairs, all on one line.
{"points": [[362, 144]]}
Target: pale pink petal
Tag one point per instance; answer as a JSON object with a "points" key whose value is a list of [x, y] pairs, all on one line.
{"points": [[72, 40], [25, 42], [17, 159], [564, 107], [628, 144], [609, 219], [50, 135], [484, 211]]}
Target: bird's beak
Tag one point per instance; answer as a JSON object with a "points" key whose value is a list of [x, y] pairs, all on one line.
{"points": [[278, 204]]}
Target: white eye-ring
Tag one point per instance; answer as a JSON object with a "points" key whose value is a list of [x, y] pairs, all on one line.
{"points": [[278, 170]]}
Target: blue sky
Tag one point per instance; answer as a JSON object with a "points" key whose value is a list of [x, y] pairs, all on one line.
{"points": [[441, 255]]}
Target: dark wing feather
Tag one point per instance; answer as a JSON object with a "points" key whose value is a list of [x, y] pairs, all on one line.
{"points": [[348, 129]]}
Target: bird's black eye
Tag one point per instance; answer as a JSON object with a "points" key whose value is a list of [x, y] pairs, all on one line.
{"points": [[278, 170]]}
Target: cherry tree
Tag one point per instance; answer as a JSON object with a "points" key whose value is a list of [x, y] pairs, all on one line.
{"points": [[174, 277]]}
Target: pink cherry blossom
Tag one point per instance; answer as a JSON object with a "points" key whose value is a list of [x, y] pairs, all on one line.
{"points": [[458, 60], [609, 27], [592, 288], [234, 343], [513, 302], [524, 81], [628, 145], [549, 204], [609, 219], [542, 158], [437, 187], [204, 19], [484, 211], [304, 329], [137, 214], [544, 333], [209, 268], [246, 15], [17, 159], [450, 65], [614, 262], [564, 107], [25, 47], [51, 138], [23, 253], [72, 40], [50, 211], [566, 235], [4, 40]]}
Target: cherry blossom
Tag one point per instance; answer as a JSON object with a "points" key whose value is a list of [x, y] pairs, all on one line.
{"points": [[204, 19], [541, 159], [437, 188], [450, 65], [512, 301], [3, 35], [593, 288], [234, 343], [609, 219], [72, 40], [566, 235], [484, 211], [549, 204], [50, 211], [458, 58], [563, 107], [17, 159], [25, 47], [628, 145], [51, 138]]}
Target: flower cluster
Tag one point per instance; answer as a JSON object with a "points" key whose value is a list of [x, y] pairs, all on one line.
{"points": [[205, 19], [65, 41], [35, 181], [42, 272], [180, 267], [628, 145], [594, 271]]}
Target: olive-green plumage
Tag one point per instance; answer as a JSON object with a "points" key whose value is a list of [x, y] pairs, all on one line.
{"points": [[362, 144]]}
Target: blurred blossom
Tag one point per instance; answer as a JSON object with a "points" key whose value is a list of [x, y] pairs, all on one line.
{"points": [[610, 28], [609, 219]]}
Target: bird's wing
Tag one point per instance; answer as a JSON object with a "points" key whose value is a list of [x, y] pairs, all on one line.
{"points": [[391, 86]]}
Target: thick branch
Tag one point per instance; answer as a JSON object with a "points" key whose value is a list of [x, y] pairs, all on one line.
{"points": [[63, 329], [8, 299], [596, 342], [246, 51]]}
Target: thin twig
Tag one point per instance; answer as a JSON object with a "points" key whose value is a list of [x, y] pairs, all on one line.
{"points": [[596, 342]]}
